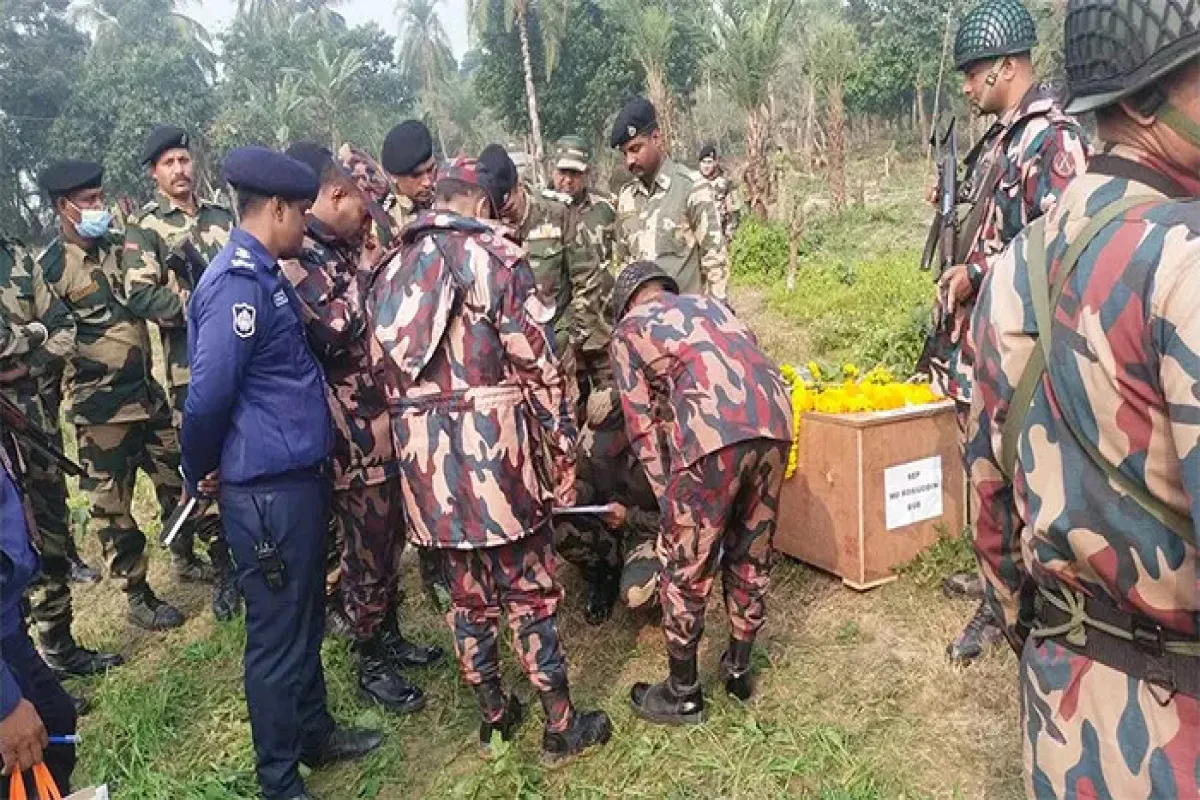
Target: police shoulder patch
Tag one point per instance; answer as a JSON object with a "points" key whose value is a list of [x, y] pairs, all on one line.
{"points": [[244, 316]]}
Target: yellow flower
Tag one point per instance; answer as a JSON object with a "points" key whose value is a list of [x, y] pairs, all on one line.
{"points": [[814, 370], [850, 372]]}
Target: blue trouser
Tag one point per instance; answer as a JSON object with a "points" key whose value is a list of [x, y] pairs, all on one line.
{"points": [[285, 684], [52, 703]]}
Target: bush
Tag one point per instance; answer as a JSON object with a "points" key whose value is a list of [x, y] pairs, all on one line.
{"points": [[868, 312], [759, 249]]}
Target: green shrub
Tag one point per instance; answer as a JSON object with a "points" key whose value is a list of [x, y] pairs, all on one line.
{"points": [[759, 249], [869, 312]]}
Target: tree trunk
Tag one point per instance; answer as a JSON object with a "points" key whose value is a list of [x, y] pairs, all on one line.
{"points": [[922, 120], [535, 122], [837, 145], [660, 96], [758, 189], [810, 114]]}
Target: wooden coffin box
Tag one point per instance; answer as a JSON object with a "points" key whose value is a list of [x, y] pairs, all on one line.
{"points": [[872, 491]]}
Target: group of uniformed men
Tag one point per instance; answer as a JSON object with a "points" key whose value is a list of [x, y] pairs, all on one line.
{"points": [[393, 349]]}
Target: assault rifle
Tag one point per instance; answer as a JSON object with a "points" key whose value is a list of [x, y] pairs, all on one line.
{"points": [[36, 439], [942, 243], [187, 256]]}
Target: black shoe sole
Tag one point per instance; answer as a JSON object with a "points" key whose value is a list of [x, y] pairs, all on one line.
{"points": [[63, 674], [411, 707]]}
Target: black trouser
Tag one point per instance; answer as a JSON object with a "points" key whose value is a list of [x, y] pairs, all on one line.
{"points": [[39, 686], [285, 683]]}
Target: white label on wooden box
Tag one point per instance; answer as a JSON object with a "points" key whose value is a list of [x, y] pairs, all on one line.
{"points": [[912, 492]]}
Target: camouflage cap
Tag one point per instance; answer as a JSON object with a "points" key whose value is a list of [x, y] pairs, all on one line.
{"points": [[572, 153], [633, 278], [366, 171], [467, 171]]}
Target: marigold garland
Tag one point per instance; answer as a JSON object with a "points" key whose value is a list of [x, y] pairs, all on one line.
{"points": [[877, 390]]}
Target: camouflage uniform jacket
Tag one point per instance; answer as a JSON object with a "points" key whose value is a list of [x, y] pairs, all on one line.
{"points": [[26, 297], [1037, 150], [1126, 360], [674, 222], [693, 381], [476, 393], [109, 370], [157, 280], [331, 285], [727, 201], [543, 233], [589, 259]]}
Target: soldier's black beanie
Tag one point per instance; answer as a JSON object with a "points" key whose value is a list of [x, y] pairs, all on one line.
{"points": [[503, 172], [407, 146]]}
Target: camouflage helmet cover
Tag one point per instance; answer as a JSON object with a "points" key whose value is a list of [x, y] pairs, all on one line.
{"points": [[1115, 48], [633, 278], [994, 29]]}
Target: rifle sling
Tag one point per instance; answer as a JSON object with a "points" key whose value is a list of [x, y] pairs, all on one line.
{"points": [[1118, 167], [1045, 300]]}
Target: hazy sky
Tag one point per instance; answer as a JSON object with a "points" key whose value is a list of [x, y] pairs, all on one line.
{"points": [[217, 14]]}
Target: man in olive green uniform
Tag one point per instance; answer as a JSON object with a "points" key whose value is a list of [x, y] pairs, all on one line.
{"points": [[159, 279], [121, 415], [42, 336], [666, 214]]}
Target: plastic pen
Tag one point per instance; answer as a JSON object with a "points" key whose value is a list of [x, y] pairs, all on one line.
{"points": [[73, 739]]}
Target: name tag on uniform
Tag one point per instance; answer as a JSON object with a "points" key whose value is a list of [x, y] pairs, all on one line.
{"points": [[280, 298]]}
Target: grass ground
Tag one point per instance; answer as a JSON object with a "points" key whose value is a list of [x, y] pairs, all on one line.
{"points": [[855, 698]]}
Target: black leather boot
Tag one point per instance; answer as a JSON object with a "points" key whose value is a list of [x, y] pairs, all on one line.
{"points": [[343, 744], [491, 700], [67, 659], [603, 587], [147, 611], [676, 701], [587, 729], [226, 599], [379, 681], [735, 669], [403, 653]]}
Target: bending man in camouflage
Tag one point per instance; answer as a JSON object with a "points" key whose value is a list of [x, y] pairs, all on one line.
{"points": [[1016, 174], [159, 279], [41, 336], [1084, 447], [666, 213], [122, 419], [330, 282], [479, 393], [707, 414]]}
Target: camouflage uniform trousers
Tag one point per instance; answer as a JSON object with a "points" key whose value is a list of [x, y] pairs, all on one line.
{"points": [[720, 511], [1091, 731], [370, 537], [111, 455], [208, 525], [50, 594], [519, 579]]}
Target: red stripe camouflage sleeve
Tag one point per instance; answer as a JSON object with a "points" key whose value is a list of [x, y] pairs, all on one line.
{"points": [[637, 405]]}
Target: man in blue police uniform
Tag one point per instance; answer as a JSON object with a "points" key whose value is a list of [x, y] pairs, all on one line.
{"points": [[33, 704], [256, 419]]}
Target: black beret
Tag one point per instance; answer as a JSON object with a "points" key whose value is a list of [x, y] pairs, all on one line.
{"points": [[161, 139], [709, 150], [407, 146], [64, 177], [318, 157], [502, 172], [266, 172], [636, 118]]}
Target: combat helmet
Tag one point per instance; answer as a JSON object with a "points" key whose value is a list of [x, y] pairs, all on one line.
{"points": [[633, 278], [994, 29], [1116, 48]]}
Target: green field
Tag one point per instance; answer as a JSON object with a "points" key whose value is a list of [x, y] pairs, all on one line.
{"points": [[855, 698]]}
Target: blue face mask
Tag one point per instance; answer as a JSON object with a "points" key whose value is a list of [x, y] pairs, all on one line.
{"points": [[93, 222]]}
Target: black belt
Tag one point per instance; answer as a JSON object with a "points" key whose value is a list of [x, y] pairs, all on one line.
{"points": [[1132, 644]]}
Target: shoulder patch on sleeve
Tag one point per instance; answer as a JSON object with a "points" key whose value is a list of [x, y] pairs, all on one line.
{"points": [[242, 259], [1063, 164], [244, 316]]}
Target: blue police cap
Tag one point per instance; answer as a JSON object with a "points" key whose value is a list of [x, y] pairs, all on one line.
{"points": [[268, 173]]}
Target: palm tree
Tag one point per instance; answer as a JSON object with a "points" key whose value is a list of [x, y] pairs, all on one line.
{"points": [[650, 29], [104, 19], [750, 41], [833, 54], [425, 55], [329, 80], [553, 16]]}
